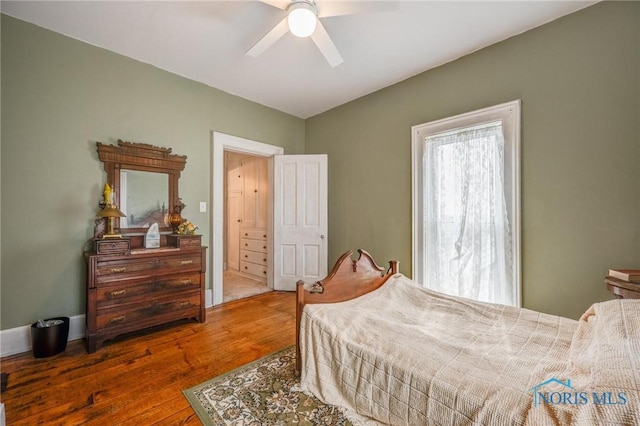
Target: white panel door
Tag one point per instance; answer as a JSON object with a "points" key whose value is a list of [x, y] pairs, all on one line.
{"points": [[250, 193], [300, 219], [234, 217], [234, 209]]}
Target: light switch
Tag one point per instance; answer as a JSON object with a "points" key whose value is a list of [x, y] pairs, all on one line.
{"points": [[203, 206]]}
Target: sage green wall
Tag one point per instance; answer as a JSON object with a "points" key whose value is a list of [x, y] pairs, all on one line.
{"points": [[59, 97], [578, 79]]}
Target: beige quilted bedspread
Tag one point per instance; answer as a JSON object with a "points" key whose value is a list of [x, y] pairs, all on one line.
{"points": [[405, 355]]}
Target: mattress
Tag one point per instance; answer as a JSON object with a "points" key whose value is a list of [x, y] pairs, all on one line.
{"points": [[405, 355]]}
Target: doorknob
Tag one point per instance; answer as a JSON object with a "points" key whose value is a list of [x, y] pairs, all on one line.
{"points": [[322, 237], [239, 220]]}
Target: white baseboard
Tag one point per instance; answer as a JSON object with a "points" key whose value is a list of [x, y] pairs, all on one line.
{"points": [[18, 340], [208, 297]]}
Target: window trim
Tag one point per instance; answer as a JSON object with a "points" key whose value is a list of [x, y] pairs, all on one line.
{"points": [[509, 114]]}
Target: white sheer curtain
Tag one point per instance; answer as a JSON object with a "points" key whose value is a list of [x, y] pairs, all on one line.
{"points": [[468, 244]]}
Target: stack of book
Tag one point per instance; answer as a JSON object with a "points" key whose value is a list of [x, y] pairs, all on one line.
{"points": [[628, 275], [624, 283]]}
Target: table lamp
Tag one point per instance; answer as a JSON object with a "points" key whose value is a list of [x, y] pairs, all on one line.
{"points": [[110, 211]]}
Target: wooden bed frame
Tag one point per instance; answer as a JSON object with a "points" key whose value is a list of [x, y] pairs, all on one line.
{"points": [[347, 280]]}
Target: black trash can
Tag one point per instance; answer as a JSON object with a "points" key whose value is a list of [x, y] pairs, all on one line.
{"points": [[50, 338]]}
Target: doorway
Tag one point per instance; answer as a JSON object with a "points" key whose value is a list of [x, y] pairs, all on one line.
{"points": [[247, 191], [223, 143]]}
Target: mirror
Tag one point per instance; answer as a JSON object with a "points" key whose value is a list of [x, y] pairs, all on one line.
{"points": [[144, 198], [145, 181]]}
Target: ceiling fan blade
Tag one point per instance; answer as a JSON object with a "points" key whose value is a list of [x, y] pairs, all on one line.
{"points": [[280, 4], [321, 38], [271, 37], [330, 8]]}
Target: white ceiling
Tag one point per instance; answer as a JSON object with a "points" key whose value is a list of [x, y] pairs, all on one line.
{"points": [[205, 41]]}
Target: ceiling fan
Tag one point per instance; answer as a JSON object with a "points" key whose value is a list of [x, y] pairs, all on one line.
{"points": [[303, 20]]}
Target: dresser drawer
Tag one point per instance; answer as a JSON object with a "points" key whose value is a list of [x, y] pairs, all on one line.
{"points": [[253, 245], [252, 268], [254, 234], [184, 241], [126, 268], [112, 246], [150, 311], [132, 290], [253, 257]]}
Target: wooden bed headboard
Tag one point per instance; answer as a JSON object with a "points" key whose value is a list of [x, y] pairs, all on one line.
{"points": [[347, 280]]}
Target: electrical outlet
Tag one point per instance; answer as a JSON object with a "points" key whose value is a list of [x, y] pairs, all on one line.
{"points": [[203, 206]]}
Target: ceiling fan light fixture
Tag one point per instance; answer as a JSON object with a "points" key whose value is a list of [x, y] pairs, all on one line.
{"points": [[302, 19]]}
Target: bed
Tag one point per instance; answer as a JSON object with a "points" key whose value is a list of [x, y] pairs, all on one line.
{"points": [[372, 341]]}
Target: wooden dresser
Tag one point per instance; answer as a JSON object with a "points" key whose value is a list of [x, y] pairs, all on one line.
{"points": [[133, 289]]}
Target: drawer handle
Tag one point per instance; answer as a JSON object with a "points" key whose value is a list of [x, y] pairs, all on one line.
{"points": [[186, 281], [118, 270], [246, 267], [264, 260], [182, 304], [264, 236], [246, 256], [246, 235], [264, 247], [264, 272], [117, 319], [118, 292], [246, 245], [186, 262]]}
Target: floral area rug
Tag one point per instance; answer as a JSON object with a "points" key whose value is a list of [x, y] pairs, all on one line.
{"points": [[265, 392]]}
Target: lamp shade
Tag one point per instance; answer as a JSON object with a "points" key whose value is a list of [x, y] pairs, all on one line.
{"points": [[302, 19], [110, 211]]}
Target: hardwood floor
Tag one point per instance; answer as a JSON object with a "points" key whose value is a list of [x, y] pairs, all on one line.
{"points": [[139, 380]]}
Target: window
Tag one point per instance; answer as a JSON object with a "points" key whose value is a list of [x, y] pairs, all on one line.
{"points": [[466, 204]]}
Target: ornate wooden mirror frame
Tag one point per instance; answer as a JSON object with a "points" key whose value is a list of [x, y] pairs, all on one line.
{"points": [[141, 157]]}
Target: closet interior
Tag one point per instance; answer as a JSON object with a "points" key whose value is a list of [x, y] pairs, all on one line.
{"points": [[246, 230]]}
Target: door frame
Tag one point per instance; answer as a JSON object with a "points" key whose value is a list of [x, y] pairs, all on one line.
{"points": [[222, 142]]}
